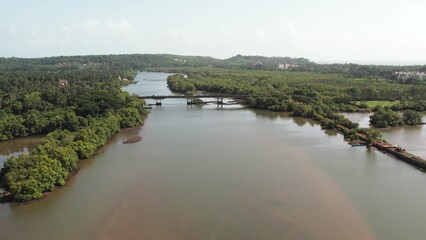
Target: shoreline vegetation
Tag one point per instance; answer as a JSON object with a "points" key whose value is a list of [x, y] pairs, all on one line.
{"points": [[308, 102], [78, 115], [77, 102], [56, 158]]}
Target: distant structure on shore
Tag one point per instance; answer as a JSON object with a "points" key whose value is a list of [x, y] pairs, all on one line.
{"points": [[63, 83], [285, 66], [407, 75]]}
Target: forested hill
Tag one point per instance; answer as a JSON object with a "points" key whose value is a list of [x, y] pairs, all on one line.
{"points": [[270, 63], [140, 61], [145, 61]]}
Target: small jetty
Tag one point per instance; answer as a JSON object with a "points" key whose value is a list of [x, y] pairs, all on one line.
{"points": [[401, 154], [391, 149]]}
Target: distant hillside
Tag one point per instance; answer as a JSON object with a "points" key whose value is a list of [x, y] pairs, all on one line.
{"points": [[127, 61], [264, 62], [144, 61], [141, 61]]}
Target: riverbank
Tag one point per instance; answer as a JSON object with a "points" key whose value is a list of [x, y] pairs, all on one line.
{"points": [[301, 101], [59, 153], [392, 149]]}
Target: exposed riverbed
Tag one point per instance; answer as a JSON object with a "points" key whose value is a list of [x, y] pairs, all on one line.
{"points": [[209, 172]]}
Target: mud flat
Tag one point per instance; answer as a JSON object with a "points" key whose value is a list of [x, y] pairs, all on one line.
{"points": [[133, 139]]}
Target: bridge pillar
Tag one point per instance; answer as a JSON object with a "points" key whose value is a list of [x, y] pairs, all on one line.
{"points": [[158, 102], [219, 100], [189, 101]]}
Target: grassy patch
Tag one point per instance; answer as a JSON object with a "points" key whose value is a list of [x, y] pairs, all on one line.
{"points": [[372, 104]]}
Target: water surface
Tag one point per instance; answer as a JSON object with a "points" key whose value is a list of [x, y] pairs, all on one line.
{"points": [[16, 147]]}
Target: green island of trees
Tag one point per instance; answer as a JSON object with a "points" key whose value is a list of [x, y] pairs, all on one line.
{"points": [[77, 101], [386, 117]]}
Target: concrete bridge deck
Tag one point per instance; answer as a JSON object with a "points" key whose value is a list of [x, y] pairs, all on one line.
{"points": [[190, 98], [160, 97]]}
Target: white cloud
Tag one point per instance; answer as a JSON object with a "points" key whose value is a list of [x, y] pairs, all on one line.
{"points": [[92, 23], [172, 34], [121, 26], [12, 30], [262, 36], [291, 30], [110, 27], [28, 36]]}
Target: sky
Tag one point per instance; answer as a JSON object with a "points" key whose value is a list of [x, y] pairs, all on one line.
{"points": [[369, 31]]}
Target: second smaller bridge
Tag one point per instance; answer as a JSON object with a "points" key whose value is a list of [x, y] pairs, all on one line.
{"points": [[190, 98]]}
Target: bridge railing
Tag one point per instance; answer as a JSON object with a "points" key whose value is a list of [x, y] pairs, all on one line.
{"points": [[195, 96]]}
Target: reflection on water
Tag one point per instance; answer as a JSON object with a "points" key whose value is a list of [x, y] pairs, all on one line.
{"points": [[271, 115], [303, 121], [331, 132], [15, 147]]}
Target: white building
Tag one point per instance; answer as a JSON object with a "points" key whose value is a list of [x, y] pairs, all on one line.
{"points": [[285, 66], [406, 75]]}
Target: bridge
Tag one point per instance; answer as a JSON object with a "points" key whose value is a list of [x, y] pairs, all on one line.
{"points": [[190, 98]]}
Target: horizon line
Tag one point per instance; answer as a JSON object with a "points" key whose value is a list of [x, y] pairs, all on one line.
{"points": [[317, 61]]}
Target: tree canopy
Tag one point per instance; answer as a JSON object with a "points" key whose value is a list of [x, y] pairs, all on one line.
{"points": [[78, 118]]}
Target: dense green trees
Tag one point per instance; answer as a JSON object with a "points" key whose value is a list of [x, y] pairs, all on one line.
{"points": [[78, 119], [412, 118], [418, 106], [33, 103], [304, 111], [385, 117], [178, 84], [47, 166], [371, 134], [273, 91], [313, 95], [28, 176], [11, 126]]}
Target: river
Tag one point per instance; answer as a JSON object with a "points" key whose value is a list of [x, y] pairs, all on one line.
{"points": [[18, 146], [227, 172]]}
